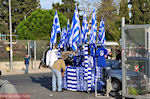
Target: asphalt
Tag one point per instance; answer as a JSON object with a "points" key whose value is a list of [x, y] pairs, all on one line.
{"points": [[39, 86]]}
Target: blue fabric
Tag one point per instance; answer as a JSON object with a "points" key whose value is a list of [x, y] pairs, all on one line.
{"points": [[27, 60], [93, 28], [55, 30], [84, 29], [79, 83], [71, 78], [74, 37], [56, 77], [101, 33], [101, 52]]}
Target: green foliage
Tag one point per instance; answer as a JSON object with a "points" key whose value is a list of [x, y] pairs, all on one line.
{"points": [[108, 10], [67, 8], [38, 25], [124, 11], [20, 8], [140, 12], [132, 91], [135, 91], [3, 27]]}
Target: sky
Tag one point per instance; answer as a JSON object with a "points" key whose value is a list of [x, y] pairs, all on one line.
{"points": [[47, 4]]}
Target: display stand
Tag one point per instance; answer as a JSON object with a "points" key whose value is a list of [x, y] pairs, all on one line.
{"points": [[83, 77]]}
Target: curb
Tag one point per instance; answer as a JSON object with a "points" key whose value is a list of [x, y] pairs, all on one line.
{"points": [[31, 71]]}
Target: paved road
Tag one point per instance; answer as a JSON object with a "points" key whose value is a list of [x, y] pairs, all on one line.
{"points": [[39, 86]]}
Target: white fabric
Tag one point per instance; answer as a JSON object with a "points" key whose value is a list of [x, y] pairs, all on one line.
{"points": [[90, 59], [48, 57], [51, 57]]}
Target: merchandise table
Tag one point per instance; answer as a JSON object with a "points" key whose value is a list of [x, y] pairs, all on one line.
{"points": [[75, 79], [82, 75]]}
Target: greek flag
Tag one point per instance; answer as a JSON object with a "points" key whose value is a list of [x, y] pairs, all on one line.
{"points": [[84, 29], [93, 28], [63, 37], [55, 30], [101, 33], [74, 37]]}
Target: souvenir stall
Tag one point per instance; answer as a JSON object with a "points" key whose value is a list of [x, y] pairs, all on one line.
{"points": [[82, 76], [87, 67]]}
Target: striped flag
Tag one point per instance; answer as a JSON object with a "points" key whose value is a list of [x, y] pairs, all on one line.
{"points": [[55, 30], [84, 29], [93, 28], [68, 28], [101, 33], [63, 37], [74, 37]]}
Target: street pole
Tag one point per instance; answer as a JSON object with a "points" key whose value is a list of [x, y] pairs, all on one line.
{"points": [[35, 55], [123, 58], [10, 29]]}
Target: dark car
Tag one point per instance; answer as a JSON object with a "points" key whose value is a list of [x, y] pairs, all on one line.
{"points": [[134, 79]]}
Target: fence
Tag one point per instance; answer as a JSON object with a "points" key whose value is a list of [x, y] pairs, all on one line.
{"points": [[21, 48], [135, 59]]}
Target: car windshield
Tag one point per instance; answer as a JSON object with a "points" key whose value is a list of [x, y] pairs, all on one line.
{"points": [[114, 64]]}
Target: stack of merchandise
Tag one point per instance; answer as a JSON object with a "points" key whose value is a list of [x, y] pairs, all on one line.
{"points": [[74, 78]]}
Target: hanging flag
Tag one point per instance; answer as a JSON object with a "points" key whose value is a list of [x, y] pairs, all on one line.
{"points": [[84, 29], [63, 40], [68, 28], [93, 28], [101, 33], [74, 37], [55, 30]]}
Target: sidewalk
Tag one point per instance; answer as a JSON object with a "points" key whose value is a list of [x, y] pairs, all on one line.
{"points": [[31, 71]]}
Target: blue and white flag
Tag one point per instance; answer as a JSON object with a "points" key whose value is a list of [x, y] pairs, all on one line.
{"points": [[84, 29], [101, 33], [68, 28], [55, 30], [74, 37], [63, 40], [93, 28]]}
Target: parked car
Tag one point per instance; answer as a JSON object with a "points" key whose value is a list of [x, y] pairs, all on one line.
{"points": [[134, 79]]}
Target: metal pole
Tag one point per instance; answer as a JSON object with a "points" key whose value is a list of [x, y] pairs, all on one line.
{"points": [[29, 48], [10, 29], [35, 54], [148, 33], [123, 58]]}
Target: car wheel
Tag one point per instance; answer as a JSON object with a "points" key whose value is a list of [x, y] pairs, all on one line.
{"points": [[116, 86]]}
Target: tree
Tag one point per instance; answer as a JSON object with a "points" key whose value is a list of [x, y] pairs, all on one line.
{"points": [[67, 8], [20, 8], [108, 10], [140, 12], [124, 11], [38, 25], [3, 27], [88, 6]]}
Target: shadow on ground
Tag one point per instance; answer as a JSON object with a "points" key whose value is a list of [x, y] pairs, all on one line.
{"points": [[45, 81]]}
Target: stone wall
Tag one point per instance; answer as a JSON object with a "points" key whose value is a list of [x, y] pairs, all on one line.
{"points": [[17, 65]]}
